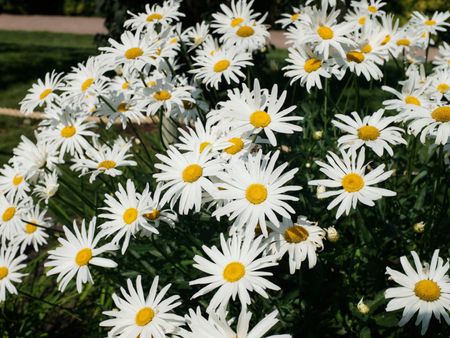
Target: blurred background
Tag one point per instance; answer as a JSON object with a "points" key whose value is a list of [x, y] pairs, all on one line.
{"points": [[39, 36]]}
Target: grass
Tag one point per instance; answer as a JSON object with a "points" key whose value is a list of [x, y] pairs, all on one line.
{"points": [[26, 56]]}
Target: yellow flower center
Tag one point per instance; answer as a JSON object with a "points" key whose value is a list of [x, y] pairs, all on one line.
{"points": [[237, 146], [144, 316], [355, 56], [403, 42], [122, 107], [203, 145], [312, 65], [45, 93], [83, 257], [152, 215], [8, 214], [30, 228], [86, 84], [412, 100], [233, 272], [192, 173], [366, 49], [125, 85], [17, 179], [236, 21], [130, 215], [256, 193], [188, 105], [427, 290], [325, 32], [352, 182], [362, 20], [153, 17], [221, 66], [3, 272], [296, 234], [368, 133], [162, 95], [245, 31], [441, 114], [133, 53], [386, 40], [107, 164], [68, 131], [295, 16], [372, 9], [260, 119], [443, 88], [430, 22]]}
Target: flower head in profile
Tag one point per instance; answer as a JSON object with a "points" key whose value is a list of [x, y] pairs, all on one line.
{"points": [[77, 251], [424, 288], [10, 265]]}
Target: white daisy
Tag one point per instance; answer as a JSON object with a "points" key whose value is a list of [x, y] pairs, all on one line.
{"points": [[235, 271], [240, 11], [425, 288], [348, 175], [258, 110], [104, 159], [373, 131], [432, 25], [217, 326], [42, 92], [226, 64], [289, 18], [442, 60], [125, 213], [47, 186], [145, 317], [186, 176], [11, 211], [248, 35], [33, 229], [78, 250], [300, 239], [13, 181], [9, 270], [257, 191], [164, 14]]}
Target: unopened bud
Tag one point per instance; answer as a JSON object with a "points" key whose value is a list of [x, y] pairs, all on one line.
{"points": [[318, 135], [362, 307], [419, 227], [320, 190], [332, 234]]}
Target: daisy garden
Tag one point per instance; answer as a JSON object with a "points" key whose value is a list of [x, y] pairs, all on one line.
{"points": [[182, 184]]}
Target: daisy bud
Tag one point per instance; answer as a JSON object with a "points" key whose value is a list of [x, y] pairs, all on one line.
{"points": [[320, 190], [308, 165], [318, 135], [137, 141], [419, 227], [362, 307], [332, 234]]}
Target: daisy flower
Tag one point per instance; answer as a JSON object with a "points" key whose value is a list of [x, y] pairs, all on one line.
{"points": [[404, 39], [442, 60], [412, 94], [158, 213], [359, 63], [104, 159], [145, 317], [373, 131], [216, 326], [259, 110], [133, 50], [230, 17], [433, 120], [439, 86], [84, 80], [202, 137], [120, 106], [326, 34], [13, 181], [68, 135], [196, 35], [424, 288], [248, 35], [42, 92], [47, 186], [235, 271], [226, 64], [9, 270], [186, 176], [189, 112], [11, 211], [300, 239], [354, 185], [306, 68], [125, 214], [372, 7], [77, 251], [163, 14], [257, 190], [289, 18], [31, 234], [431, 25]]}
